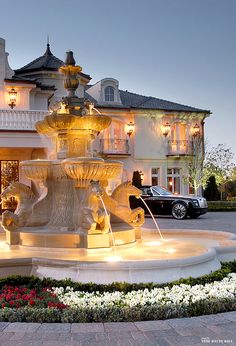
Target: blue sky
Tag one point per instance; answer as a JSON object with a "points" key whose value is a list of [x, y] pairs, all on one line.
{"points": [[179, 50]]}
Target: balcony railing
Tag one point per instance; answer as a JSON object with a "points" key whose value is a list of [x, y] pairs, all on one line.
{"points": [[178, 148], [114, 146], [20, 120]]}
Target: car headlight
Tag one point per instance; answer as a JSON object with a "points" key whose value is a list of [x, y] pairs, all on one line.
{"points": [[195, 203]]}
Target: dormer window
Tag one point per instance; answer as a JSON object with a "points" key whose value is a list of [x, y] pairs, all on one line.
{"points": [[109, 94]]}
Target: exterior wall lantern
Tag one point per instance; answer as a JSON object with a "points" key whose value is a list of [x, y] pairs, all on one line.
{"points": [[196, 130], [129, 128], [12, 98], [166, 129]]}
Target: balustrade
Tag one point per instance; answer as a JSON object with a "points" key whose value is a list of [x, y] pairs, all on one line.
{"points": [[20, 119], [180, 147], [114, 146]]}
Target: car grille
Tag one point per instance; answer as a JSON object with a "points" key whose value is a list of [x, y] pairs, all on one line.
{"points": [[202, 203]]}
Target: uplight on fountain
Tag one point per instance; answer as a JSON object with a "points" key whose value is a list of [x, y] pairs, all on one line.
{"points": [[68, 226], [114, 259]]}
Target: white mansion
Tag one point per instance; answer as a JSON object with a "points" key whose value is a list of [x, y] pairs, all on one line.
{"points": [[148, 134]]}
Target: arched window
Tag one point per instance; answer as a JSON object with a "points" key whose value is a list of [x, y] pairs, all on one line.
{"points": [[109, 93]]}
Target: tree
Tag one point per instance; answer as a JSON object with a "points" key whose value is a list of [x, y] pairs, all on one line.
{"points": [[211, 192], [218, 162], [137, 180], [194, 172]]}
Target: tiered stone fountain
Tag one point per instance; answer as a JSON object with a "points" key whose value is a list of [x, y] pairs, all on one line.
{"points": [[67, 209], [66, 225]]}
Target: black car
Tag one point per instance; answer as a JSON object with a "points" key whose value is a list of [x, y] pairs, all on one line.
{"points": [[162, 202]]}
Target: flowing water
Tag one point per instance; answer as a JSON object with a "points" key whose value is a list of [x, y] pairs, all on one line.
{"points": [[110, 228], [157, 227]]}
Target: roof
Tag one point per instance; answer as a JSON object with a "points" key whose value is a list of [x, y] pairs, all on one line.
{"points": [[17, 79], [46, 62], [132, 100]]}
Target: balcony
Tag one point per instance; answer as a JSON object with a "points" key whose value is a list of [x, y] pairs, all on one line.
{"points": [[22, 120], [115, 147], [180, 148]]}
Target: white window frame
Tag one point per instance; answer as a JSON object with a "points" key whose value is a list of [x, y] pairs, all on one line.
{"points": [[174, 175], [109, 94], [155, 175]]}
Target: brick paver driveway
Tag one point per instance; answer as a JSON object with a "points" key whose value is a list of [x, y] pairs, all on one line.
{"points": [[213, 329], [217, 329]]}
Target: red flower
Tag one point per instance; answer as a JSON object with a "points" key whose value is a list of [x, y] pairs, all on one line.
{"points": [[32, 302]]}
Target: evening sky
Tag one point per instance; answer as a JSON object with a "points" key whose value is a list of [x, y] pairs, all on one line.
{"points": [[179, 50]]}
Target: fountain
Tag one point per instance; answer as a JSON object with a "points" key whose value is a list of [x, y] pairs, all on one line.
{"points": [[66, 224]]}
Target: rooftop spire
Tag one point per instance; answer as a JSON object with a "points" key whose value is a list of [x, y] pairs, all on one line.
{"points": [[48, 51]]}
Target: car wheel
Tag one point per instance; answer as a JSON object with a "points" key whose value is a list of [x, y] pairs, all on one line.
{"points": [[179, 211]]}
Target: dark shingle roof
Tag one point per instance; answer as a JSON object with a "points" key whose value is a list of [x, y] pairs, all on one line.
{"points": [[47, 61], [18, 79], [133, 100]]}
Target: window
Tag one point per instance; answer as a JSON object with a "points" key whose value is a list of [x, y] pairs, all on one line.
{"points": [[173, 180], [155, 176], [9, 172], [109, 94]]}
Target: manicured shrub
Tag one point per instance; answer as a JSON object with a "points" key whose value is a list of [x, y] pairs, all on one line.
{"points": [[222, 206]]}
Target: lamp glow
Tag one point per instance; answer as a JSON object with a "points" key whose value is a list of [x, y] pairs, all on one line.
{"points": [[166, 129], [170, 250], [129, 128], [114, 259], [153, 243], [12, 98]]}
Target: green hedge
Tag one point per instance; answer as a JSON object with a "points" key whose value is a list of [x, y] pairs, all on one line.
{"points": [[37, 283], [221, 205], [117, 314]]}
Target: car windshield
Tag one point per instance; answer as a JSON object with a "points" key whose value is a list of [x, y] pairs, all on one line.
{"points": [[160, 191]]}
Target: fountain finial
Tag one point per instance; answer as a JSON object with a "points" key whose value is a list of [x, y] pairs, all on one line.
{"points": [[70, 71], [69, 59]]}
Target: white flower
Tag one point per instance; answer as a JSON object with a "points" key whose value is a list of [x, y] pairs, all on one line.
{"points": [[178, 294]]}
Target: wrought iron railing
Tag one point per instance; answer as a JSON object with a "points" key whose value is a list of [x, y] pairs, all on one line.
{"points": [[20, 119], [114, 146], [180, 147]]}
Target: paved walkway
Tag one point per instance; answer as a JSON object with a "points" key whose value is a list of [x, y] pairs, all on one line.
{"points": [[217, 329]]}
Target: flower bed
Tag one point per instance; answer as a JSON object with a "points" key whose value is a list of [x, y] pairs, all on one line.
{"points": [[189, 297], [18, 297]]}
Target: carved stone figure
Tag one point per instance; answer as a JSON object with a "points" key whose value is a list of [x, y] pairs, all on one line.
{"points": [[25, 199], [118, 204], [94, 218]]}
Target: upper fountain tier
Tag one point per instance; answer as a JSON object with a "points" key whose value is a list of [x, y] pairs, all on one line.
{"points": [[73, 122]]}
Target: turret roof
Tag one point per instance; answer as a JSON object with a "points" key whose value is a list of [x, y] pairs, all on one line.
{"points": [[47, 61]]}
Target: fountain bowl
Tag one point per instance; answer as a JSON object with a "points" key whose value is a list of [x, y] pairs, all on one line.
{"points": [[181, 254], [36, 169]]}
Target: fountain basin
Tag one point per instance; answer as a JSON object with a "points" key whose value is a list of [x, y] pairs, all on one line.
{"points": [[195, 253], [84, 169], [36, 169], [46, 237]]}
